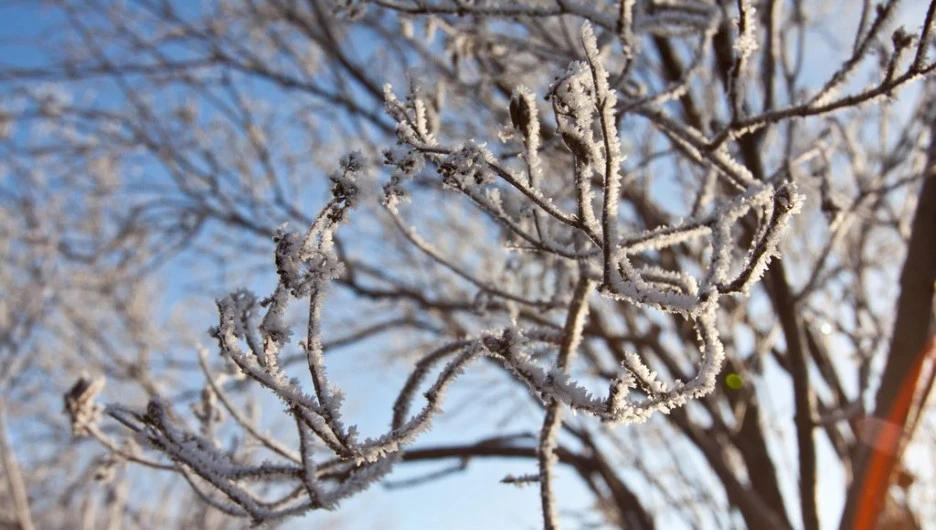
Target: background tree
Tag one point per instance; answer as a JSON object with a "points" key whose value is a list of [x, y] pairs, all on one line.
{"points": [[563, 200]]}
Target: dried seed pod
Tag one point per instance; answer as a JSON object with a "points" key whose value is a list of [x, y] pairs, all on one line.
{"points": [[785, 198], [80, 406], [577, 145], [521, 113]]}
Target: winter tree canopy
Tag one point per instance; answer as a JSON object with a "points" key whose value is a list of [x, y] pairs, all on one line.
{"points": [[672, 256]]}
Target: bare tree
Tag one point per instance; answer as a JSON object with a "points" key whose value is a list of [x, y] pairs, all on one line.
{"points": [[583, 201]]}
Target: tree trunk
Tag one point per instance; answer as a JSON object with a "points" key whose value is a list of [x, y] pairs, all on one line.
{"points": [[910, 335]]}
